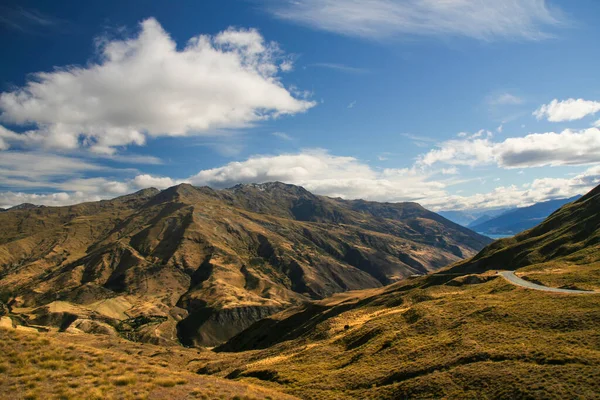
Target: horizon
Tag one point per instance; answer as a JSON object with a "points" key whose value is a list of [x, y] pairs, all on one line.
{"points": [[479, 210], [464, 107]]}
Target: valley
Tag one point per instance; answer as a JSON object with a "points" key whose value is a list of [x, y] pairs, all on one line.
{"points": [[461, 332], [196, 266]]}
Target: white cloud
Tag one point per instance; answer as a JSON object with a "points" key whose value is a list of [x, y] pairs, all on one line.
{"points": [[567, 110], [450, 171], [146, 181], [10, 199], [482, 19], [323, 173], [326, 174], [144, 86], [510, 196], [34, 165], [282, 135], [534, 150], [352, 104]]}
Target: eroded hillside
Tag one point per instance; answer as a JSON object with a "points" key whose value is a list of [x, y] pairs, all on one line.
{"points": [[197, 265]]}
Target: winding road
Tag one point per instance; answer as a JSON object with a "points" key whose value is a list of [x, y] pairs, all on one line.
{"points": [[515, 280]]}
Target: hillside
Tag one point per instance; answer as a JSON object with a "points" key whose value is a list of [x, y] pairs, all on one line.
{"points": [[463, 332], [196, 266], [520, 219], [562, 251], [71, 366]]}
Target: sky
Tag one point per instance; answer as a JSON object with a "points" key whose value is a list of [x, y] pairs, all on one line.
{"points": [[460, 104]]}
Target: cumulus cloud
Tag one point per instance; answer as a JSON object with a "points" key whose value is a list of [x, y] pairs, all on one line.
{"points": [[10, 199], [475, 149], [534, 150], [159, 182], [567, 110], [323, 173], [145, 86], [375, 19]]}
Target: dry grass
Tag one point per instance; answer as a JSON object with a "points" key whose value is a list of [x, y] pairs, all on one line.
{"points": [[60, 366], [489, 340]]}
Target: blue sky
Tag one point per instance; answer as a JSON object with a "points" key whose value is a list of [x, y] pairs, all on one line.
{"points": [[456, 105]]}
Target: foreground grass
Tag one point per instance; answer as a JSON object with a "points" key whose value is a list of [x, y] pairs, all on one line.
{"points": [[487, 340], [61, 366], [465, 338]]}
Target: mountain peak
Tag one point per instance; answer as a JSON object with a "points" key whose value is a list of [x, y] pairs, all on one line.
{"points": [[275, 186], [24, 206]]}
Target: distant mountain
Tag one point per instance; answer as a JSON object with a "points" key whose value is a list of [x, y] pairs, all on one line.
{"points": [[515, 221], [569, 237], [199, 265], [481, 220], [24, 206], [469, 217]]}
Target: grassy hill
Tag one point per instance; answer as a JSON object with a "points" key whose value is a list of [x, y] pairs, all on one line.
{"points": [[67, 366], [463, 332], [196, 266], [562, 251], [474, 336]]}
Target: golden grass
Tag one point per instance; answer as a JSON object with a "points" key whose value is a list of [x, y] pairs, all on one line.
{"points": [[488, 340], [52, 366]]}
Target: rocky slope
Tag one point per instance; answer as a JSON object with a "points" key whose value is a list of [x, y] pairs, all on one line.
{"points": [[198, 265]]}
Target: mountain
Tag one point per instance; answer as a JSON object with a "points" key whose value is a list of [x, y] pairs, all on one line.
{"points": [[462, 332], [481, 220], [518, 220], [197, 265], [23, 206], [470, 217]]}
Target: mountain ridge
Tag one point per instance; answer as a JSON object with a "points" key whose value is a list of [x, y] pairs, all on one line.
{"points": [[520, 219], [201, 264]]}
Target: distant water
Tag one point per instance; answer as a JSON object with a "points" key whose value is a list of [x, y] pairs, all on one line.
{"points": [[495, 236]]}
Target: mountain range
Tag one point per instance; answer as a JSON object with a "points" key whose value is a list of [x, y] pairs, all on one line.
{"points": [[460, 331], [517, 220], [196, 265], [472, 217]]}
